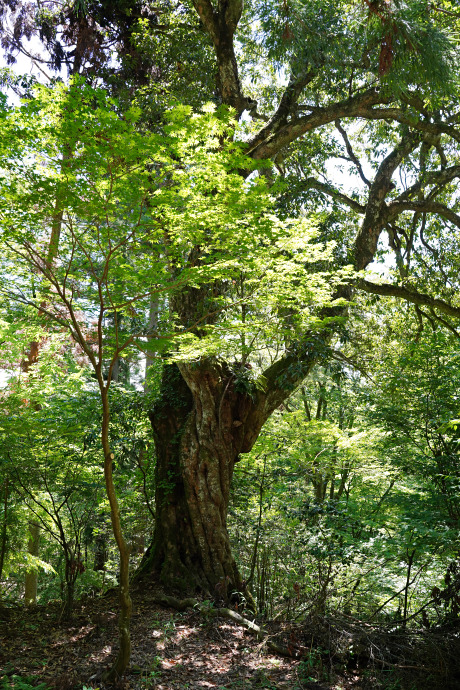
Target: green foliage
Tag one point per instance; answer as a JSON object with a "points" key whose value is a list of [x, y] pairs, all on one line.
{"points": [[52, 458], [417, 397], [321, 520], [401, 43], [130, 206]]}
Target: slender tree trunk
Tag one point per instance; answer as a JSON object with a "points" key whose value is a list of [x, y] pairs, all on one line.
{"points": [[152, 326], [124, 652], [259, 523], [31, 582], [410, 561], [4, 533], [68, 596]]}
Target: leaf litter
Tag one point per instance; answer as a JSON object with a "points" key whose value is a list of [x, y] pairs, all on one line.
{"points": [[171, 650]]}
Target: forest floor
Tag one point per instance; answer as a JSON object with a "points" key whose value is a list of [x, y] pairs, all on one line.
{"points": [[171, 651]]}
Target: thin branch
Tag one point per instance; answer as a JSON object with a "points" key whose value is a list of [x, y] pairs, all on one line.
{"points": [[351, 152], [326, 188]]}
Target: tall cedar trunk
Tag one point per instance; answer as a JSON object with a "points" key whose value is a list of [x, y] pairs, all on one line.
{"points": [[198, 427]]}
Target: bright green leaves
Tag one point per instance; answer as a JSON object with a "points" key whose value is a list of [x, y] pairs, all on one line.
{"points": [[272, 291], [98, 218]]}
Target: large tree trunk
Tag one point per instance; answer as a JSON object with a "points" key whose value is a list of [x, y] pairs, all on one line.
{"points": [[199, 432], [201, 424]]}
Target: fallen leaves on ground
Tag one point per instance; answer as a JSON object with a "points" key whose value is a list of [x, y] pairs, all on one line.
{"points": [[171, 651]]}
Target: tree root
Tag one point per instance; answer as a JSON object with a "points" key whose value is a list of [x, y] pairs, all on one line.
{"points": [[207, 610]]}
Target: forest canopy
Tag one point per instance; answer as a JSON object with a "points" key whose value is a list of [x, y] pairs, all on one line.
{"points": [[229, 307]]}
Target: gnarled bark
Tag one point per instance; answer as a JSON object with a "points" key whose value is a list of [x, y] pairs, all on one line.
{"points": [[199, 428]]}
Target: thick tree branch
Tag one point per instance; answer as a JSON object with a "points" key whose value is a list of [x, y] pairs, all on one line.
{"points": [[207, 15], [397, 207], [287, 106], [397, 115], [358, 105], [220, 25], [408, 294], [282, 378], [231, 10], [375, 218], [439, 178]]}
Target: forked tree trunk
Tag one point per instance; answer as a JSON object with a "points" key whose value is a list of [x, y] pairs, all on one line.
{"points": [[199, 432]]}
